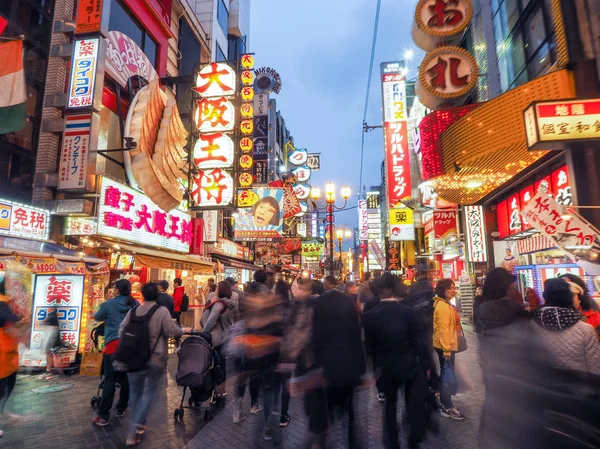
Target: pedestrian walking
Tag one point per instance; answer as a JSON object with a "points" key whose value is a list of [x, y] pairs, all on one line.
{"points": [[217, 319], [283, 292], [572, 342], [446, 329], [143, 352], [582, 300], [52, 343], [178, 298], [164, 299], [9, 353], [392, 341], [112, 313], [339, 353]]}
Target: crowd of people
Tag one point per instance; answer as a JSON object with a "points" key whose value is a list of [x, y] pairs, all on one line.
{"points": [[325, 340]]}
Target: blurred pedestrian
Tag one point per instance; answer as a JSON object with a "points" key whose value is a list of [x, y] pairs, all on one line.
{"points": [[113, 312], [143, 383], [52, 342], [572, 342], [363, 289], [582, 300], [446, 325], [164, 299], [339, 352], [392, 340], [9, 352]]}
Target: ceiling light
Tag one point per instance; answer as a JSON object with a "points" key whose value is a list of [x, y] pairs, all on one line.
{"points": [[473, 183]]}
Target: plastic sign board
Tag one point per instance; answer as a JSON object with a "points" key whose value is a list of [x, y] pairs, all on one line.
{"points": [[476, 234], [214, 150], [217, 79], [89, 16], [212, 188], [125, 59], [129, 215], [314, 161], [552, 124], [363, 224], [402, 224], [82, 81], [18, 220], [73, 156]]}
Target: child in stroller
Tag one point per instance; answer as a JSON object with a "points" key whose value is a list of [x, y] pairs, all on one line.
{"points": [[200, 370]]}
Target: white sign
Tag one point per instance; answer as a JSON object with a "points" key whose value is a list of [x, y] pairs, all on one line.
{"points": [[65, 294], [215, 80], [215, 115], [214, 150], [211, 225], [476, 234], [125, 59], [83, 73], [314, 161], [301, 229], [17, 220], [363, 225], [72, 170], [128, 214], [80, 226], [261, 105], [394, 97], [571, 233]]}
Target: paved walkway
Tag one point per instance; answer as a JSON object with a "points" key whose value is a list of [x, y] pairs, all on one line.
{"points": [[63, 419]]}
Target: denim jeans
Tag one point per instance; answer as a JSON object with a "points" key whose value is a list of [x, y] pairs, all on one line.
{"points": [[143, 389]]}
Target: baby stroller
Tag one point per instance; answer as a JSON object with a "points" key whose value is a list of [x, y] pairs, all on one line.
{"points": [[96, 333], [199, 369]]}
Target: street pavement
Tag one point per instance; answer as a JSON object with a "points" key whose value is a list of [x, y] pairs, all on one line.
{"points": [[63, 419]]}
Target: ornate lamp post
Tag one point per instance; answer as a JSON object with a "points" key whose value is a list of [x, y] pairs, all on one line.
{"points": [[330, 209], [342, 236]]}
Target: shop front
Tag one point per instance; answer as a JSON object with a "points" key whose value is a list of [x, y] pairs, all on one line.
{"points": [[233, 260]]}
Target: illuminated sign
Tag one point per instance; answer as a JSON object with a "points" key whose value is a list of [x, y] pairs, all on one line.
{"points": [[298, 156], [550, 124], [80, 226], [73, 156], [215, 114], [247, 61], [125, 59], [215, 150], [363, 225], [228, 248], [302, 174], [440, 21], [83, 73], [18, 220], [63, 293], [128, 214], [212, 188], [402, 224], [89, 16], [476, 234], [216, 80]]}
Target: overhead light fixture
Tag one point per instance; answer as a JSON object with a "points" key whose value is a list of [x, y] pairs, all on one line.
{"points": [[473, 183]]}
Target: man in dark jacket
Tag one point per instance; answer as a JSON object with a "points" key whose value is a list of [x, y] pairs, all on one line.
{"points": [[392, 339], [113, 312], [338, 351], [164, 299]]}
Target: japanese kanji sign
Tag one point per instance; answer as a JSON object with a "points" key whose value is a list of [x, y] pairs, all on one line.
{"points": [[82, 82], [264, 220], [441, 21], [213, 187], [72, 169], [314, 161], [363, 224], [89, 16], [402, 224], [214, 150], [216, 80], [393, 256], [129, 215], [63, 293], [550, 124], [476, 234], [124, 59], [17, 220], [572, 234]]}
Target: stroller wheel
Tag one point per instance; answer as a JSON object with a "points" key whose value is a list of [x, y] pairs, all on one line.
{"points": [[93, 402], [178, 414]]}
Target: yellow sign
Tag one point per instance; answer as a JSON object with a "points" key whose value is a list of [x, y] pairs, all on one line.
{"points": [[245, 180], [247, 110], [246, 144], [247, 77], [401, 216], [247, 93], [247, 127], [247, 61], [247, 198], [246, 161]]}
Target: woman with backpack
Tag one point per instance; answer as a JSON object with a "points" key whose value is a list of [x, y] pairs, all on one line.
{"points": [[218, 317]]}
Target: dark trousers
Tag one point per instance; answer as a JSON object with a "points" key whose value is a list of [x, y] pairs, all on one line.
{"points": [[6, 387], [445, 396], [285, 394], [254, 381], [327, 405], [111, 378]]}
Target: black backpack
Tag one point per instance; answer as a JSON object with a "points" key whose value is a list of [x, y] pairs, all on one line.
{"points": [[134, 348], [185, 303]]}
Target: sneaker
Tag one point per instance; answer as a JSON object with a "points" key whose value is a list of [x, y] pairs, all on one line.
{"points": [[267, 436], [381, 397], [284, 420], [238, 415], [452, 413], [140, 430], [50, 376], [121, 413], [438, 401], [255, 408], [1, 434], [100, 421], [44, 376]]}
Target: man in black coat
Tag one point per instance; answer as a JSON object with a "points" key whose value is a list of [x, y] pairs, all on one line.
{"points": [[338, 351], [392, 339]]}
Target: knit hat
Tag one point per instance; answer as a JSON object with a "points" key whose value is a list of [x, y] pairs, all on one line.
{"points": [[558, 293], [575, 289]]}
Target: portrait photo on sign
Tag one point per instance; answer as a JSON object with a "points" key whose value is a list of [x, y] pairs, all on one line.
{"points": [[264, 220]]}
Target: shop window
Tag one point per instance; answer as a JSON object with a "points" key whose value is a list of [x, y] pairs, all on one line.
{"points": [[222, 16], [535, 31], [190, 49], [121, 20], [220, 55], [34, 22]]}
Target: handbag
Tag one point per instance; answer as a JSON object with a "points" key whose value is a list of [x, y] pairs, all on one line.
{"points": [[462, 342]]}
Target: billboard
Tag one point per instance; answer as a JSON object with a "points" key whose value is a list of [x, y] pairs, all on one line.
{"points": [[264, 220], [277, 253]]}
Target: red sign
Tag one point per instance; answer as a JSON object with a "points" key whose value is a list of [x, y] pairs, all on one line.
{"points": [[58, 291], [397, 162], [198, 238], [441, 224], [89, 16], [561, 186], [525, 196]]}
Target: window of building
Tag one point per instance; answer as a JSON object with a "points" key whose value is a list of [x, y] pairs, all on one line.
{"points": [[190, 51], [220, 55], [121, 20], [236, 47], [222, 16], [524, 40]]}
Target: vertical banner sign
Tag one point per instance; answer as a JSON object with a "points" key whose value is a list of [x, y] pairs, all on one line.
{"points": [[247, 124], [476, 234], [89, 16], [393, 256], [83, 73], [73, 157], [363, 225]]}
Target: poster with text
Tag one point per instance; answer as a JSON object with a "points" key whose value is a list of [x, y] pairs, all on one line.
{"points": [[264, 220]]}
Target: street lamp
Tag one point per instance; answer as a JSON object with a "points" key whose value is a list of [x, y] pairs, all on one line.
{"points": [[342, 236], [330, 209]]}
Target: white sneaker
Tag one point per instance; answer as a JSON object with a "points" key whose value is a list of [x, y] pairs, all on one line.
{"points": [[1, 434], [255, 408]]}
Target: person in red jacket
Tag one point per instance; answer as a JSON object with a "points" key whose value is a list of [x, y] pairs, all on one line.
{"points": [[584, 304], [178, 292]]}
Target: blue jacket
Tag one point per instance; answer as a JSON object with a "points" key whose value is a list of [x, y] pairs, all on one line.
{"points": [[113, 312]]}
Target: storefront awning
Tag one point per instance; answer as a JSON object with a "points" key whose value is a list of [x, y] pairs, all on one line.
{"points": [[35, 248], [163, 259], [488, 146], [236, 264]]}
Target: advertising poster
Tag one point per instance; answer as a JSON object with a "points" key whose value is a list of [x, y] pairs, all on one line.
{"points": [[313, 248], [264, 220], [277, 253], [65, 294]]}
